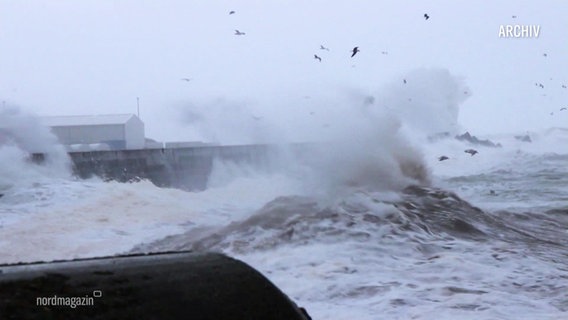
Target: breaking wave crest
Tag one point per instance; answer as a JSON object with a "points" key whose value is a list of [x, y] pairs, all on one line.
{"points": [[422, 247]]}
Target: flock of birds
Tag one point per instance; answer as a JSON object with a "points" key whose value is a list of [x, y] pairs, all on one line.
{"points": [[472, 152], [356, 50], [541, 86], [353, 52]]}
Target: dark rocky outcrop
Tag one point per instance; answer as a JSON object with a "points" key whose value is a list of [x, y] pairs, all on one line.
{"points": [[525, 138], [474, 140]]}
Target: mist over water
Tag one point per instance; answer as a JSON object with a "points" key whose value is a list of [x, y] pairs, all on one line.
{"points": [[363, 140], [427, 100], [227, 122]]}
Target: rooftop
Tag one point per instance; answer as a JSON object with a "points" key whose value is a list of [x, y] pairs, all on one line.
{"points": [[90, 120]]}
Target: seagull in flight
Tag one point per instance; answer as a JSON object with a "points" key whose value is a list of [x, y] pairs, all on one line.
{"points": [[442, 158], [426, 16], [564, 86], [562, 109], [471, 151], [404, 80], [317, 58], [238, 33], [186, 79], [231, 12], [355, 50], [323, 48]]}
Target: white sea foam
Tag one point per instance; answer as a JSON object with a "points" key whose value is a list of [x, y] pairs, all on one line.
{"points": [[71, 219]]}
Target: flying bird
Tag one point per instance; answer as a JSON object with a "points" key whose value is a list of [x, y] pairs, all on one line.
{"points": [[541, 85], [562, 109], [564, 86], [317, 58], [186, 79], [442, 158], [231, 12], [471, 151], [238, 33], [384, 52], [323, 48], [514, 17], [355, 50], [404, 80], [545, 55], [426, 16]]}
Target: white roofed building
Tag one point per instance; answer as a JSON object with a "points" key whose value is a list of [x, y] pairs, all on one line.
{"points": [[118, 131]]}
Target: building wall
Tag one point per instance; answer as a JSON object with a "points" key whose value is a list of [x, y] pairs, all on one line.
{"points": [[117, 132], [90, 134], [134, 134]]}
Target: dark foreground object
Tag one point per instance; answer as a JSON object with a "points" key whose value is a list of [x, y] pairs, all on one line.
{"points": [[158, 286]]}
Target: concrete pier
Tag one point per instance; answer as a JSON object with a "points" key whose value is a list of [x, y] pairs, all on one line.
{"points": [[186, 168]]}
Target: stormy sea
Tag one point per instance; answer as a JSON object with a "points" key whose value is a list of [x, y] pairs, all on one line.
{"points": [[370, 224]]}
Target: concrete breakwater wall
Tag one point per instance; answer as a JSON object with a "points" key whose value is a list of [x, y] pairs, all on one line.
{"points": [[186, 168]]}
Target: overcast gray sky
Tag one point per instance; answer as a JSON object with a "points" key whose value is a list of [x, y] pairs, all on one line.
{"points": [[67, 57]]}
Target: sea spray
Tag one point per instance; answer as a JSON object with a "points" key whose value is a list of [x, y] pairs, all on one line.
{"points": [[21, 135], [357, 140]]}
